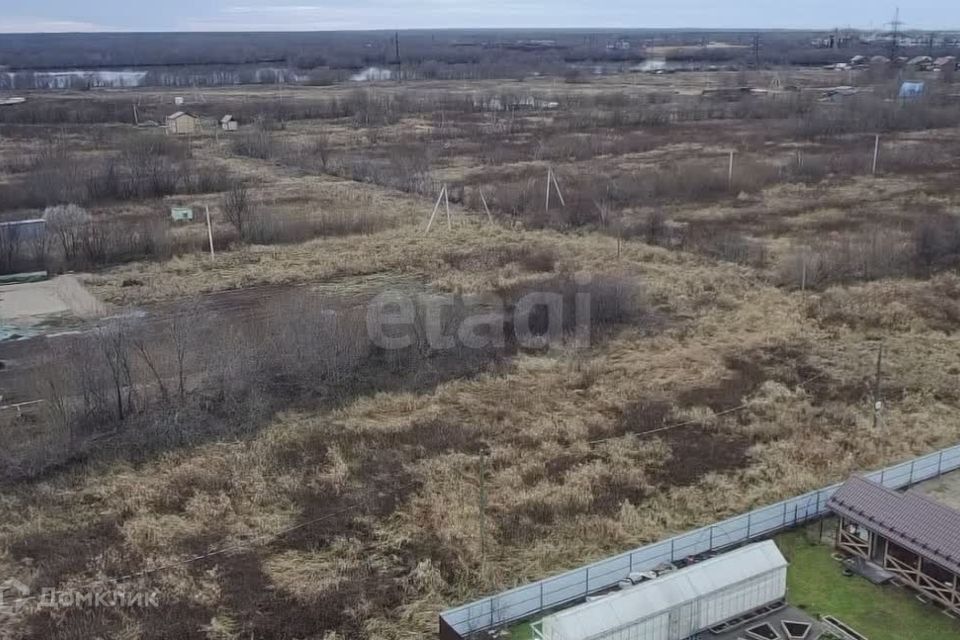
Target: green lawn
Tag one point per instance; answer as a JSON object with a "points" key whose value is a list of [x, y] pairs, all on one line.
{"points": [[816, 584]]}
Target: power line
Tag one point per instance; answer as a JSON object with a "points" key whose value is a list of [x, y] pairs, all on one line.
{"points": [[691, 423]]}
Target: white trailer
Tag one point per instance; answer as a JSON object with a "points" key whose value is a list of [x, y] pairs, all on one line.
{"points": [[680, 604]]}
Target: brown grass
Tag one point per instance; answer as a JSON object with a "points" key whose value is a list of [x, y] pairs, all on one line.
{"points": [[770, 384]]}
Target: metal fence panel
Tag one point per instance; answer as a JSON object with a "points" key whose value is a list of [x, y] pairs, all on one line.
{"points": [[529, 600]]}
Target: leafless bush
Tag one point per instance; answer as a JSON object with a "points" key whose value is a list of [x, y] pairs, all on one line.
{"points": [[66, 223], [874, 114], [863, 256], [257, 143], [237, 207], [268, 227]]}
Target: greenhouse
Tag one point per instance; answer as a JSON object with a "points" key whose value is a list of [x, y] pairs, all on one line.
{"points": [[680, 604]]}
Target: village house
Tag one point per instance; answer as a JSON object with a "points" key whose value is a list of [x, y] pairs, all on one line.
{"points": [[181, 123]]}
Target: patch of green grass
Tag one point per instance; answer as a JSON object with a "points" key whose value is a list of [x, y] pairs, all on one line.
{"points": [[816, 584], [521, 632]]}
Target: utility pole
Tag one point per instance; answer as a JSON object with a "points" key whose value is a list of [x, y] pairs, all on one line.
{"points": [[877, 400], [756, 50], [876, 154], [209, 232], [399, 63], [483, 509]]}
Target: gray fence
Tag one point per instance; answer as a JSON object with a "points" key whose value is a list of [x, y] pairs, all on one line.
{"points": [[530, 600]]}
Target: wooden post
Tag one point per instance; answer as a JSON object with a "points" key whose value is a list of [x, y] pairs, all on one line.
{"points": [[556, 184], [549, 176], [436, 208], [483, 508], [446, 201], [730, 171], [877, 401], [485, 207], [876, 154], [209, 231], [803, 274]]}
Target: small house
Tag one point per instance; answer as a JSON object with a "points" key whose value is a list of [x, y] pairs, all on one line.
{"points": [[181, 123], [921, 63], [228, 123], [907, 535], [181, 214]]}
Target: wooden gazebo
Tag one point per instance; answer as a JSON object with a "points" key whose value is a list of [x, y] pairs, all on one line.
{"points": [[908, 534]]}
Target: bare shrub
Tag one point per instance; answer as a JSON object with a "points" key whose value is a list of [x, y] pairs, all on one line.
{"points": [[270, 227], [238, 208], [936, 244], [862, 256], [66, 223], [257, 143]]}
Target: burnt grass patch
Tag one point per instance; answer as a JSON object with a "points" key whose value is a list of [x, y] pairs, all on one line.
{"points": [[60, 554], [261, 609], [696, 452], [181, 620]]}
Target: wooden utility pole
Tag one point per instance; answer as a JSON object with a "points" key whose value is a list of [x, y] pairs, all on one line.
{"points": [[553, 184], [876, 154], [549, 176], [485, 207], [556, 185], [446, 202], [399, 63], [877, 399], [483, 509], [209, 232], [436, 208]]}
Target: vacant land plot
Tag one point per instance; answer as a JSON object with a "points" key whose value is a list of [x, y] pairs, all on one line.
{"points": [[254, 458]]}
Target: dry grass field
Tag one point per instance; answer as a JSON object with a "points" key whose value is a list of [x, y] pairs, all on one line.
{"points": [[272, 494]]}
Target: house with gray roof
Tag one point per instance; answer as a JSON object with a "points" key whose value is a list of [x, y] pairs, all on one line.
{"points": [[907, 534]]}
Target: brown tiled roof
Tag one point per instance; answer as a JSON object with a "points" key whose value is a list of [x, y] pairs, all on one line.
{"points": [[911, 520]]}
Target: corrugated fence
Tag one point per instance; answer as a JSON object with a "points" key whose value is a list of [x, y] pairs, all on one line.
{"points": [[531, 600]]}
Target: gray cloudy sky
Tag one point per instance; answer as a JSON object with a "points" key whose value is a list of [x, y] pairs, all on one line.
{"points": [[283, 15]]}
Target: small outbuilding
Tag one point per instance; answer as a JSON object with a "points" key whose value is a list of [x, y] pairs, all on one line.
{"points": [[680, 604], [181, 214], [912, 90], [229, 123], [906, 534], [23, 230], [181, 123]]}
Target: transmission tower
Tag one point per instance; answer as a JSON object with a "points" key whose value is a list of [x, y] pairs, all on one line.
{"points": [[895, 26]]}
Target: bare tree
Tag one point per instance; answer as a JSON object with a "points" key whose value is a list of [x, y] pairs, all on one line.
{"points": [[67, 223], [237, 208]]}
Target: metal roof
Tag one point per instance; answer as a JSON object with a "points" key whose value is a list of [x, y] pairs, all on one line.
{"points": [[667, 592], [179, 114], [911, 520]]}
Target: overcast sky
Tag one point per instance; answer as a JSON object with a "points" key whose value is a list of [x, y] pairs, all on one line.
{"points": [[319, 15]]}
